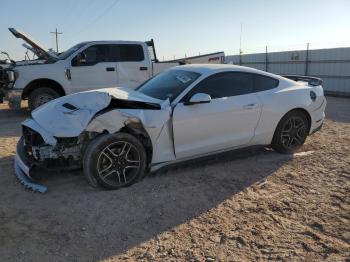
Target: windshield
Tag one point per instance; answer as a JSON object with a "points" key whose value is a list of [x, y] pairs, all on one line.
{"points": [[168, 84], [70, 51]]}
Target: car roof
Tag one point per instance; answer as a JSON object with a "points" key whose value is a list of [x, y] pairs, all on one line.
{"points": [[213, 68]]}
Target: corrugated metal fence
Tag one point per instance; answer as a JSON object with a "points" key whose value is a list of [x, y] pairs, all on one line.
{"points": [[332, 65]]}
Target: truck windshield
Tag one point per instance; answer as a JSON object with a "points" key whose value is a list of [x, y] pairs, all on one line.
{"points": [[168, 84], [70, 51]]}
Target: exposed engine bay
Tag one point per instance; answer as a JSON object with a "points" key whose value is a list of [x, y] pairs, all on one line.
{"points": [[62, 143]]}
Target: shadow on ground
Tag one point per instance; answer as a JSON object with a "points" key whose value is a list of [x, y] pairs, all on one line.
{"points": [[79, 222], [10, 121], [76, 222]]}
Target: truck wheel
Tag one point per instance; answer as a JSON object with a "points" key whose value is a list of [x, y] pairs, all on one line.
{"points": [[15, 105], [41, 96], [114, 161]]}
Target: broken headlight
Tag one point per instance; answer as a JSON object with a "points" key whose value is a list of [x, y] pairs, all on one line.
{"points": [[31, 137], [12, 76]]}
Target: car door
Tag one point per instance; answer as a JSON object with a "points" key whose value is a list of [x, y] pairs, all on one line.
{"points": [[227, 121], [133, 66], [93, 68]]}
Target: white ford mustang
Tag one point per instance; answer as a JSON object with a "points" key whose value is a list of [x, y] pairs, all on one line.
{"points": [[117, 135]]}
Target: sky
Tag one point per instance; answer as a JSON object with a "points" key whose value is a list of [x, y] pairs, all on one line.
{"points": [[180, 27]]}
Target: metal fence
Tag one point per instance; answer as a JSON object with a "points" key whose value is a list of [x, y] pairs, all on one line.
{"points": [[332, 65]]}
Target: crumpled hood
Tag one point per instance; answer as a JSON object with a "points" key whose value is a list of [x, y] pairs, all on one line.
{"points": [[68, 116]]}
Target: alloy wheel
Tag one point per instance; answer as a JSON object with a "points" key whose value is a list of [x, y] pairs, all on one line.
{"points": [[293, 132], [118, 163]]}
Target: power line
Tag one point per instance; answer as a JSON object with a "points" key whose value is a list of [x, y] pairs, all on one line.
{"points": [[56, 33], [83, 11], [109, 8]]}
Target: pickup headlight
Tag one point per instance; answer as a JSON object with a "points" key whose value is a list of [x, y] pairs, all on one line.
{"points": [[12, 75]]}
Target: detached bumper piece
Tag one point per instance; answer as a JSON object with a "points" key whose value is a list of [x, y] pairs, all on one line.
{"points": [[23, 168]]}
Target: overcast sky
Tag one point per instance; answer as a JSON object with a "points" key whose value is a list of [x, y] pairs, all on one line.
{"points": [[180, 27]]}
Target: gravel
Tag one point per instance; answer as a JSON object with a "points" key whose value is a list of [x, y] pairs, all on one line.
{"points": [[249, 205]]}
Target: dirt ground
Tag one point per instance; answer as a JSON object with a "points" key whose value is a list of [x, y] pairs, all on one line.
{"points": [[241, 206]]}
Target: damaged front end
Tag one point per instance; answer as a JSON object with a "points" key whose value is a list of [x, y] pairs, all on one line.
{"points": [[67, 150], [57, 135], [34, 155], [7, 80]]}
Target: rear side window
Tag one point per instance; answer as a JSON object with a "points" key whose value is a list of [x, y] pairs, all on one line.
{"points": [[110, 53], [263, 83], [130, 53], [224, 85]]}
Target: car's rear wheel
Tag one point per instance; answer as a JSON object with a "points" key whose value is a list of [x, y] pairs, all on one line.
{"points": [[291, 132], [41, 96], [114, 161]]}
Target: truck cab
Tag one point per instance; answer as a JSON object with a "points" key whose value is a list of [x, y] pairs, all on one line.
{"points": [[85, 66]]}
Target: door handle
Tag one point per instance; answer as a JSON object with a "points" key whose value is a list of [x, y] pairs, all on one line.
{"points": [[110, 69], [143, 68], [249, 106]]}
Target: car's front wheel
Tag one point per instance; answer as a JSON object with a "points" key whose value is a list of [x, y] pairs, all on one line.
{"points": [[114, 161], [291, 132]]}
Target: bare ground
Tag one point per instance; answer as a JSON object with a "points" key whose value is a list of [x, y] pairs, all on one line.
{"points": [[248, 205]]}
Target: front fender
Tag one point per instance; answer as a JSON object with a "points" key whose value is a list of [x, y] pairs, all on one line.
{"points": [[26, 74], [157, 124]]}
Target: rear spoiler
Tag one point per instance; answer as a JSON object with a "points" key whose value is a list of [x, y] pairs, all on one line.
{"points": [[312, 81]]}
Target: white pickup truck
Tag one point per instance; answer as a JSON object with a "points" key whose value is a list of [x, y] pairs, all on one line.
{"points": [[85, 66]]}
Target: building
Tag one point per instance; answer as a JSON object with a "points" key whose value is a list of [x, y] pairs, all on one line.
{"points": [[332, 65]]}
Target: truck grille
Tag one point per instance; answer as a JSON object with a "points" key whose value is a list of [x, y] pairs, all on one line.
{"points": [[32, 138]]}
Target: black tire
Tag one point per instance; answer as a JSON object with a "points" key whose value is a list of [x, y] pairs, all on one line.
{"points": [[40, 96], [291, 132], [15, 105], [114, 161]]}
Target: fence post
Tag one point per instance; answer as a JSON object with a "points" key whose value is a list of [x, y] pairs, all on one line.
{"points": [[307, 60], [266, 61], [240, 57]]}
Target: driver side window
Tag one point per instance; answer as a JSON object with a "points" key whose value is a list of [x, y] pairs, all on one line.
{"points": [[225, 84], [92, 55]]}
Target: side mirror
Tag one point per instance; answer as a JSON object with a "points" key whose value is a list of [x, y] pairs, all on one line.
{"points": [[199, 98], [80, 59]]}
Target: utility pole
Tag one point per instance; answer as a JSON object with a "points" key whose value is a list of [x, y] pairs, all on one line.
{"points": [[266, 61], [56, 33], [240, 46]]}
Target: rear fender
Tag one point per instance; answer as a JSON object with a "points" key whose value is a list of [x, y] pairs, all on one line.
{"points": [[279, 103]]}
